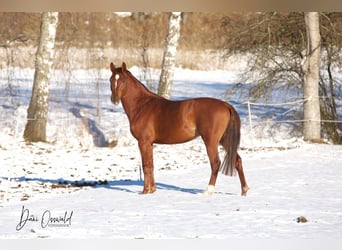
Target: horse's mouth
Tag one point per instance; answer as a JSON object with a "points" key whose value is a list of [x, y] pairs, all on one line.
{"points": [[115, 100]]}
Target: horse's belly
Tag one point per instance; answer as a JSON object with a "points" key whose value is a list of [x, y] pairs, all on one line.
{"points": [[175, 135]]}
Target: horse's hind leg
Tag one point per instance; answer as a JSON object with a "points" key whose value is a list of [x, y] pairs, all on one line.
{"points": [[238, 166], [214, 164]]}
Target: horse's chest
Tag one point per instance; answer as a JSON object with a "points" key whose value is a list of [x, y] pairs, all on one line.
{"points": [[140, 127]]}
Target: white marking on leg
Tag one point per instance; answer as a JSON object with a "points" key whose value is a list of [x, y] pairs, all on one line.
{"points": [[210, 190]]}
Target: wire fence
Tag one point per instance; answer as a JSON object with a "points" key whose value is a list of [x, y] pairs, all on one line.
{"points": [[89, 116], [253, 122], [74, 92]]}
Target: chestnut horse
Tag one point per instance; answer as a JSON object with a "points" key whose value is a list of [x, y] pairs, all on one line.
{"points": [[154, 119]]}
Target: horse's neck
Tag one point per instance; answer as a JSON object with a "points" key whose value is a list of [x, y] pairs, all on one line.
{"points": [[136, 96]]}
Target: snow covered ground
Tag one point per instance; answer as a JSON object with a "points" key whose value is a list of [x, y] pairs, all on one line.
{"points": [[76, 186]]}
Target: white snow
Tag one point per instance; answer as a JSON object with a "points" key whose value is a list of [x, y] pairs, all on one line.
{"points": [[288, 178]]}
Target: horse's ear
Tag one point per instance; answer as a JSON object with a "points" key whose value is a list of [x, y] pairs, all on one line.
{"points": [[124, 67], [112, 67]]}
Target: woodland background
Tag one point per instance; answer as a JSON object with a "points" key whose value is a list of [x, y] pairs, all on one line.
{"points": [[267, 47]]}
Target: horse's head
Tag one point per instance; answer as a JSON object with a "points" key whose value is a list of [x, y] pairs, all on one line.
{"points": [[117, 82]]}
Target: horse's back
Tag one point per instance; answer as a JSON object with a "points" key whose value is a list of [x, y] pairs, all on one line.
{"points": [[210, 109], [198, 111]]}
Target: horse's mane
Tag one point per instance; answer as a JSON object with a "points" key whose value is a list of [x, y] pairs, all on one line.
{"points": [[141, 84]]}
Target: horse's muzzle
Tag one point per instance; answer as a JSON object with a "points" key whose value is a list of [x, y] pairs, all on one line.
{"points": [[115, 100]]}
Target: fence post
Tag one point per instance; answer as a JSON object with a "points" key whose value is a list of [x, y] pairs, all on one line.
{"points": [[250, 123], [16, 130]]}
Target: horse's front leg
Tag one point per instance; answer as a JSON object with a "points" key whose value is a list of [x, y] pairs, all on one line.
{"points": [[146, 151]]}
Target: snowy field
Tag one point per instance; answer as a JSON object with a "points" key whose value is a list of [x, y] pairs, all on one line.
{"points": [[85, 183]]}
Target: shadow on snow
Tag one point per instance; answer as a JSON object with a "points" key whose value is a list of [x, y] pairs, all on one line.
{"points": [[119, 185]]}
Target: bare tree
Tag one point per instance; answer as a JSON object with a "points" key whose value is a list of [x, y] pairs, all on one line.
{"points": [[276, 46], [168, 65], [330, 81], [311, 69], [35, 129]]}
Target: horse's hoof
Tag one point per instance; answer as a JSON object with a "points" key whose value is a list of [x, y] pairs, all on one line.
{"points": [[210, 190], [244, 191], [206, 193], [148, 191]]}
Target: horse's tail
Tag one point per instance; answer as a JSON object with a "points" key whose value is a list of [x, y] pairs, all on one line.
{"points": [[231, 142]]}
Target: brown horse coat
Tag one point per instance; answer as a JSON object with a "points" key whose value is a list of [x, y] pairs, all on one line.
{"points": [[154, 119]]}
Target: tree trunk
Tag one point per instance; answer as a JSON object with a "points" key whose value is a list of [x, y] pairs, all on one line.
{"points": [[35, 129], [311, 68], [169, 58]]}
